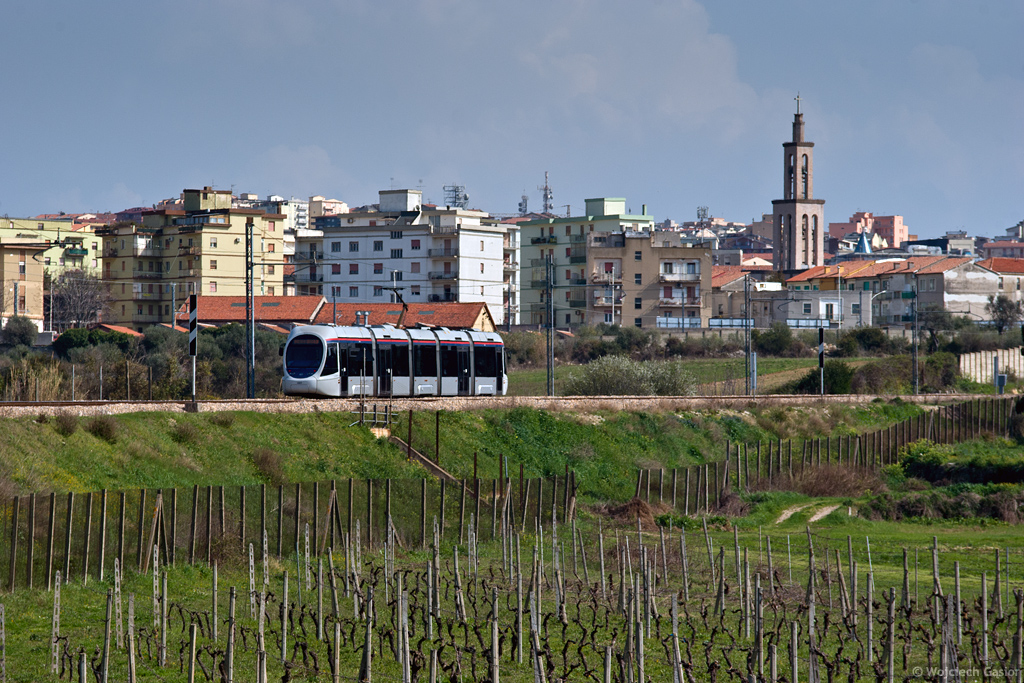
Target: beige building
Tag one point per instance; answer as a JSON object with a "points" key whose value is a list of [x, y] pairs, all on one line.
{"points": [[22, 277], [151, 268], [648, 279]]}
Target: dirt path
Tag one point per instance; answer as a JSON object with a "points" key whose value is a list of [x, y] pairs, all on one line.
{"points": [[823, 512], [789, 512]]}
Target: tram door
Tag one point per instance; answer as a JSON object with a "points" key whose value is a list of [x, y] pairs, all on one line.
{"points": [[384, 370], [463, 360]]}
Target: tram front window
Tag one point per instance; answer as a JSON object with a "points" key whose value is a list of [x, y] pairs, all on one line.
{"points": [[303, 356]]}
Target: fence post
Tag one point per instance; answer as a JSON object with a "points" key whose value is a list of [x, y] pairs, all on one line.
{"points": [[12, 573]]}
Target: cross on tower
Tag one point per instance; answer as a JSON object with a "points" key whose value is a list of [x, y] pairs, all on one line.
{"points": [[797, 98]]}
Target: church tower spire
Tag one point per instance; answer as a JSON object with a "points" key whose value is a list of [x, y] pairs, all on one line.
{"points": [[799, 224]]}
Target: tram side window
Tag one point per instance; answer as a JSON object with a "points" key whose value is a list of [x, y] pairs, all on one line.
{"points": [[331, 364], [360, 361], [485, 361], [449, 361], [400, 360], [425, 360]]}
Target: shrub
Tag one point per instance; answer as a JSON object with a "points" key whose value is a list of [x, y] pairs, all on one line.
{"points": [[185, 432], [65, 423], [622, 376], [269, 464], [222, 419], [104, 427], [19, 331], [524, 349], [775, 341], [838, 376]]}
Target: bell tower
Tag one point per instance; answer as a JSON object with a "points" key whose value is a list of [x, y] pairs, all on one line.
{"points": [[798, 218]]}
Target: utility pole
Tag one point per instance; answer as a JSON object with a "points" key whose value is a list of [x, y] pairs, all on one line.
{"points": [[746, 329], [916, 378], [549, 272], [250, 314], [821, 358]]}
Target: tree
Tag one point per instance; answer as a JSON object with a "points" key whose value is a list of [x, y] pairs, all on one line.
{"points": [[19, 331], [76, 299], [934, 321], [1004, 312]]}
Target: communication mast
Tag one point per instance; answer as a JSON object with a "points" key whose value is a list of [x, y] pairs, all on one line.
{"points": [[547, 196], [455, 195], [523, 210]]}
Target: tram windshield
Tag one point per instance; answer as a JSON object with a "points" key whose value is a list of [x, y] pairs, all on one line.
{"points": [[303, 356]]}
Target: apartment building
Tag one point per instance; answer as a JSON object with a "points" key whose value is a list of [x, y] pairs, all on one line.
{"points": [[433, 253], [564, 242], [21, 275], [649, 279], [891, 229], [68, 246], [150, 268]]}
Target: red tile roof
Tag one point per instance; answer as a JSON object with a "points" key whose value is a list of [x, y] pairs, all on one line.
{"points": [[1004, 265], [117, 328], [847, 269], [269, 309], [723, 275], [433, 314]]}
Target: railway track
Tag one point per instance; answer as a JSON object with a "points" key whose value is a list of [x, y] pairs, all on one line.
{"points": [[382, 405]]}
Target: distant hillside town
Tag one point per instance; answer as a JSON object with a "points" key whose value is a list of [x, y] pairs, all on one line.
{"points": [[605, 264]]}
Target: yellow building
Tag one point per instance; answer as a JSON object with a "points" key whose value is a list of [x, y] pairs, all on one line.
{"points": [[22, 277], [151, 268]]}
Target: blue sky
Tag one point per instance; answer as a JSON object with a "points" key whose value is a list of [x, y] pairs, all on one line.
{"points": [[914, 106]]}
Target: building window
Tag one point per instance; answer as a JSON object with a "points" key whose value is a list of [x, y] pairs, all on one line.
{"points": [[353, 292], [481, 245], [378, 291], [638, 322], [1000, 283], [271, 247], [335, 269], [608, 318], [415, 290], [636, 255], [415, 245], [213, 286], [396, 234], [481, 290], [638, 302], [336, 247], [270, 291], [213, 264], [46, 261], [855, 309], [271, 226], [414, 267], [213, 243], [353, 269], [398, 275], [378, 268], [807, 309], [637, 279], [353, 247], [378, 245], [396, 253], [335, 292], [481, 268]]}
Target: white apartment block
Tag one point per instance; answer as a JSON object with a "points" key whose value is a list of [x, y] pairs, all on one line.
{"points": [[432, 253]]}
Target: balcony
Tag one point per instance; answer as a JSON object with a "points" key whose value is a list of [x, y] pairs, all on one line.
{"points": [[444, 229], [577, 303], [605, 301], [510, 266], [304, 256], [449, 252], [147, 274], [676, 323], [679, 277], [678, 301], [606, 277], [76, 251], [147, 296], [309, 277], [577, 239], [544, 240], [146, 317], [577, 258], [110, 253], [577, 280], [188, 251], [447, 296], [445, 275]]}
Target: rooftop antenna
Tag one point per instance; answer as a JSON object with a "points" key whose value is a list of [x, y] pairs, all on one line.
{"points": [[547, 196], [455, 195], [568, 210], [523, 201]]}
